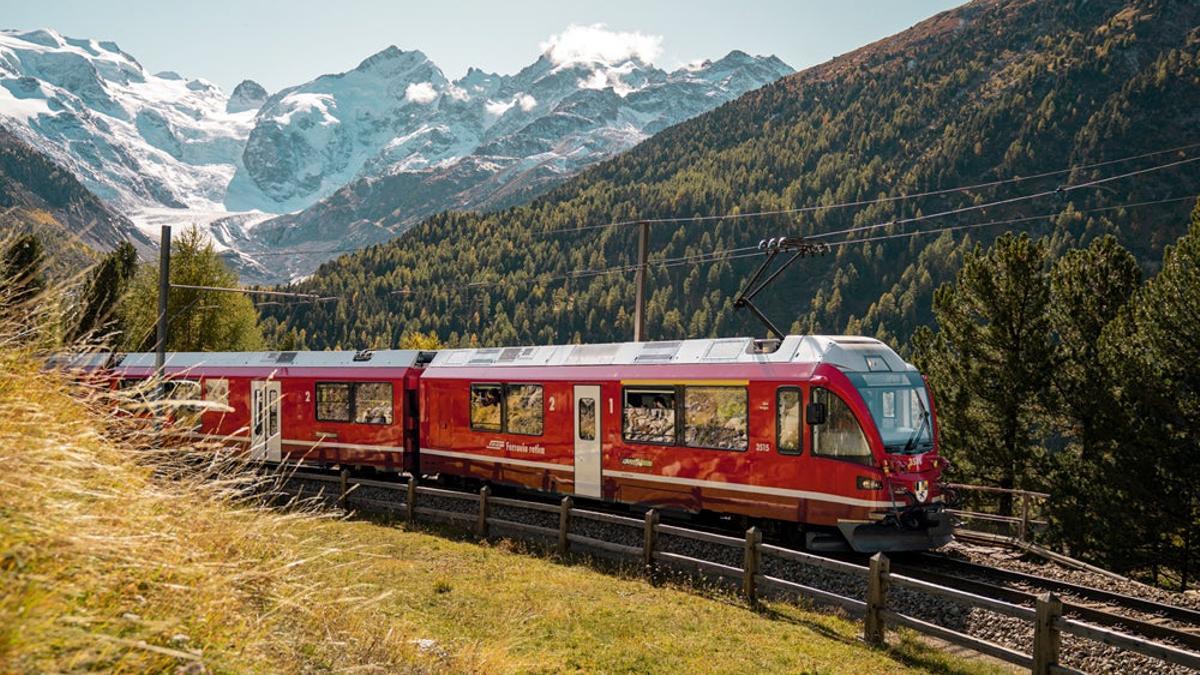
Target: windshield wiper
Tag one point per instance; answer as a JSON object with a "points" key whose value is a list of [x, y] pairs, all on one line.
{"points": [[908, 446]]}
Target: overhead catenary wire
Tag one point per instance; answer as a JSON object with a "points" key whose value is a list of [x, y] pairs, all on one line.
{"points": [[868, 202], [737, 253]]}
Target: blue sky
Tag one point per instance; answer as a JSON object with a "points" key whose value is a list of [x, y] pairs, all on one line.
{"points": [[281, 43]]}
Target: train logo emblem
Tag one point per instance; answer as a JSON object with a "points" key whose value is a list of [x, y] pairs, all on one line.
{"points": [[922, 490]]}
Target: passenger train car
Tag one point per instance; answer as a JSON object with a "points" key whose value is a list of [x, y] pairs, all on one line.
{"points": [[832, 437]]}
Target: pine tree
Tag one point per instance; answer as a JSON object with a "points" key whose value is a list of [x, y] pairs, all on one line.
{"points": [[1089, 289], [107, 283], [990, 361], [1156, 355], [22, 270]]}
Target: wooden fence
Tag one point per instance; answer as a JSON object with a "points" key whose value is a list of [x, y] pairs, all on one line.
{"points": [[1021, 527], [1047, 617]]}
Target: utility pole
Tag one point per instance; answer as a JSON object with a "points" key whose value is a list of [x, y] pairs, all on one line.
{"points": [[639, 308], [164, 285]]}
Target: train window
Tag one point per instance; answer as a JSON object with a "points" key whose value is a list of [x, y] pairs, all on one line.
{"points": [[333, 401], [216, 391], [841, 437], [649, 415], [373, 402], [184, 392], [487, 413], [524, 408], [587, 419], [715, 417], [787, 421]]}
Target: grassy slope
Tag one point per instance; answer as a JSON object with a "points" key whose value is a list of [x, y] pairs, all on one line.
{"points": [[103, 567]]}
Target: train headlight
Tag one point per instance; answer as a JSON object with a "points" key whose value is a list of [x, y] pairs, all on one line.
{"points": [[868, 483]]}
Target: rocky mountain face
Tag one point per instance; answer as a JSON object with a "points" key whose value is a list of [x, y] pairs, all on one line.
{"points": [[483, 142], [351, 158], [248, 95], [37, 194]]}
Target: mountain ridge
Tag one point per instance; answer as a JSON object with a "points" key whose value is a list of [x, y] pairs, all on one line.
{"points": [[168, 149]]}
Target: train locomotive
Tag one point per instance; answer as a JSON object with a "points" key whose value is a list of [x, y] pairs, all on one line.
{"points": [[829, 439]]}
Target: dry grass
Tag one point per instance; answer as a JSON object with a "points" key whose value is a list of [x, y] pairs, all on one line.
{"points": [[105, 564], [118, 556]]}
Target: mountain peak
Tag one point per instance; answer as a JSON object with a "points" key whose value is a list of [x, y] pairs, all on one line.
{"points": [[390, 55], [248, 95]]}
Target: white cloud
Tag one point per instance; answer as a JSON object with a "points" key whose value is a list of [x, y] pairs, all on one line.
{"points": [[497, 108], [421, 92], [596, 43]]}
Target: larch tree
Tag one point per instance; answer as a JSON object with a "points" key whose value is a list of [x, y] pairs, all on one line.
{"points": [[198, 320]]}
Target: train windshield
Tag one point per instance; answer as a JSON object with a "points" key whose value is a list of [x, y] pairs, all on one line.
{"points": [[899, 406]]}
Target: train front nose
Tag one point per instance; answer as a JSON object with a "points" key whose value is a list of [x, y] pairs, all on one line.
{"points": [[918, 522]]}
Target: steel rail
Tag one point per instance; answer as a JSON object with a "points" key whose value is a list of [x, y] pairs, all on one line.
{"points": [[1094, 615], [1176, 612]]}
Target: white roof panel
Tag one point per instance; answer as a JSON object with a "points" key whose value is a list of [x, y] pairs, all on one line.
{"points": [[848, 352], [384, 358]]}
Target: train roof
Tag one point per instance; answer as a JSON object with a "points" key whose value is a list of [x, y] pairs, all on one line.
{"points": [[383, 358], [849, 352]]}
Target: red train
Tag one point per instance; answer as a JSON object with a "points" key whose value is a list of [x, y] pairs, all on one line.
{"points": [[832, 437]]}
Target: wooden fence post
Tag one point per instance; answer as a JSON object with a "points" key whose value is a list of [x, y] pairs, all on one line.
{"points": [[564, 523], [650, 542], [1046, 634], [1024, 532], [874, 630], [481, 527], [412, 498], [344, 483], [751, 564]]}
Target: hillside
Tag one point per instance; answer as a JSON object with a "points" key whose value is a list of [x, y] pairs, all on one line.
{"points": [[39, 195], [105, 566], [984, 92]]}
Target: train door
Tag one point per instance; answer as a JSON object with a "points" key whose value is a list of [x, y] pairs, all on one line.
{"points": [[587, 440], [265, 435]]}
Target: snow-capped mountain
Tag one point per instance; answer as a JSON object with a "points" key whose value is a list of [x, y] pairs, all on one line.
{"points": [[133, 138], [350, 158]]}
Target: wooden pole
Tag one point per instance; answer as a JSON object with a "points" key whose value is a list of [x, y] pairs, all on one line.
{"points": [[874, 630], [164, 287], [650, 542], [411, 498], [1024, 534], [564, 524], [639, 307], [344, 483], [1046, 634], [751, 564], [481, 527]]}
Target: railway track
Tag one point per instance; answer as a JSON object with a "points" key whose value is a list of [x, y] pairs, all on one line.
{"points": [[1112, 609]]}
